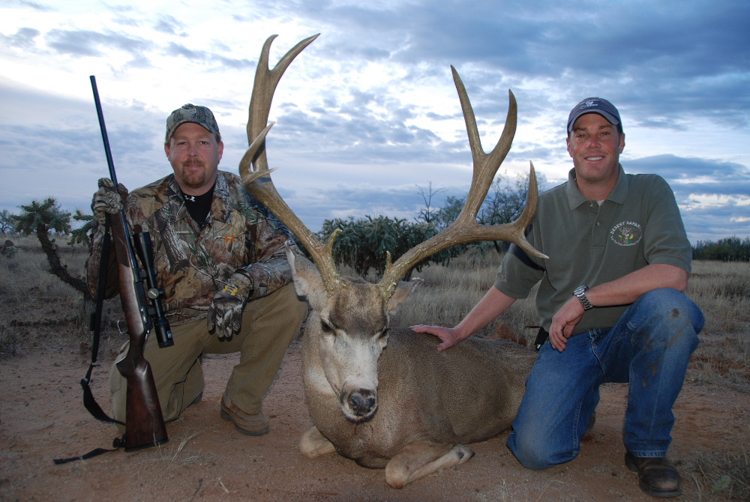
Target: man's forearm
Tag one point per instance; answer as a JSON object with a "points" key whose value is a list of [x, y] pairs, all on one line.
{"points": [[487, 310], [629, 288]]}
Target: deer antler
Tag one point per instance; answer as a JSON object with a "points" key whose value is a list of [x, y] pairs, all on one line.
{"points": [[258, 183], [465, 228]]}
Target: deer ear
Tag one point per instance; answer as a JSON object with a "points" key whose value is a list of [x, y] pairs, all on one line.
{"points": [[403, 290], [307, 280]]}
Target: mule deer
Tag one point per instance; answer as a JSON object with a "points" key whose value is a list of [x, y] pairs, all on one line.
{"points": [[383, 396]]}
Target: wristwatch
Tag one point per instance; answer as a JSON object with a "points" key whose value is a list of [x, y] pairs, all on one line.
{"points": [[580, 293]]}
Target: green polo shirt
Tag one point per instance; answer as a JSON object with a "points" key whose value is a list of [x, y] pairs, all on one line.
{"points": [[590, 243]]}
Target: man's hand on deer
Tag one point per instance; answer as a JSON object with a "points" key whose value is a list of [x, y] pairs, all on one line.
{"points": [[449, 336]]}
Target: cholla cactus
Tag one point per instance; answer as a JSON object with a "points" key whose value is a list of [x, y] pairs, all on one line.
{"points": [[41, 218]]}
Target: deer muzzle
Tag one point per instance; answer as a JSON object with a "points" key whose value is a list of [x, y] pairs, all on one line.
{"points": [[359, 406]]}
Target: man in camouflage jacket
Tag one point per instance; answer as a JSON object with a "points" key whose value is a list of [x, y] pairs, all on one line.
{"points": [[220, 257]]}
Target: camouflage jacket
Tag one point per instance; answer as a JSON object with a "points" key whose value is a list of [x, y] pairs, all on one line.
{"points": [[193, 263]]}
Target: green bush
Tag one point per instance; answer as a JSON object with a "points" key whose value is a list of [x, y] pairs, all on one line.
{"points": [[729, 249], [364, 243]]}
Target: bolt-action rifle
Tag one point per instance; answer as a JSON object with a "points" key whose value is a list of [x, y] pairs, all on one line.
{"points": [[144, 423]]}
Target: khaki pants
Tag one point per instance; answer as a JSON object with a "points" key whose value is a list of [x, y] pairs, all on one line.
{"points": [[269, 325]]}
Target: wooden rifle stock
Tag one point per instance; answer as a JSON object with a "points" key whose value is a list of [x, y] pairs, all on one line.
{"points": [[144, 423]]}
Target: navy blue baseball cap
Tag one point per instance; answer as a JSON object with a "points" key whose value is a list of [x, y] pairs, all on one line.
{"points": [[594, 105]]}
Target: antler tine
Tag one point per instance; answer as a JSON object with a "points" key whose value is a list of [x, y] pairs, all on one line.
{"points": [[266, 81], [247, 175], [263, 189], [258, 181], [485, 165], [465, 228]]}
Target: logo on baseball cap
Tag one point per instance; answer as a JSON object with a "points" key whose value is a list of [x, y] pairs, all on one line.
{"points": [[594, 105], [191, 113]]}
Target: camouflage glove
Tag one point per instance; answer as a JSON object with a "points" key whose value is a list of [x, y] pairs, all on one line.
{"points": [[225, 312], [106, 200]]}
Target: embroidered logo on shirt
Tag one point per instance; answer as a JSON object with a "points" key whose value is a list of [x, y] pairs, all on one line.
{"points": [[228, 238], [626, 233]]}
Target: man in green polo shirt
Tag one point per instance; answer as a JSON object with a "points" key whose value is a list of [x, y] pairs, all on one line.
{"points": [[610, 298]]}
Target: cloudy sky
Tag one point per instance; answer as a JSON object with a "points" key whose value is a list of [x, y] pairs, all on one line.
{"points": [[368, 113]]}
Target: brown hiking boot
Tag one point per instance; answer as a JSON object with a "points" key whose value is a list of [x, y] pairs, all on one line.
{"points": [[656, 475], [250, 425]]}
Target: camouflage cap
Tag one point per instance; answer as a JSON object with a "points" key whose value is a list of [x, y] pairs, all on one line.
{"points": [[191, 113]]}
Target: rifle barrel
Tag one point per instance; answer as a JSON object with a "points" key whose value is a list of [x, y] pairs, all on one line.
{"points": [[144, 423], [103, 128]]}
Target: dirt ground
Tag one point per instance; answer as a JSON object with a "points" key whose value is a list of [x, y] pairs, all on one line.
{"points": [[42, 418]]}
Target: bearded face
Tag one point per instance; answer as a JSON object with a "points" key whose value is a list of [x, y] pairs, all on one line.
{"points": [[194, 154]]}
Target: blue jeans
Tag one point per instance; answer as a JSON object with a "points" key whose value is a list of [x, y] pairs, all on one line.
{"points": [[649, 347]]}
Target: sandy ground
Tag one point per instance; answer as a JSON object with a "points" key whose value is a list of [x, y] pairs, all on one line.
{"points": [[42, 418]]}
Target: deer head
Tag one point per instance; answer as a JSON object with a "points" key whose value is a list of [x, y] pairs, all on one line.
{"points": [[350, 317]]}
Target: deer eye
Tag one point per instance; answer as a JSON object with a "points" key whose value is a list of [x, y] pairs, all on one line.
{"points": [[327, 327]]}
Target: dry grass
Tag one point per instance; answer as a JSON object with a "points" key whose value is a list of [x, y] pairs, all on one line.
{"points": [[176, 455], [722, 291], [721, 474], [41, 310], [450, 292]]}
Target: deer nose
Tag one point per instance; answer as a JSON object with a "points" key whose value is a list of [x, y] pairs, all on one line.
{"points": [[362, 402]]}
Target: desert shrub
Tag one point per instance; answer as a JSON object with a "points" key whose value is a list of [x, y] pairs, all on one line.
{"points": [[7, 222], [363, 244], [45, 219], [729, 249]]}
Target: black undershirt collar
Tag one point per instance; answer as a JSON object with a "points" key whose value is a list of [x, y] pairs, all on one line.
{"points": [[199, 206]]}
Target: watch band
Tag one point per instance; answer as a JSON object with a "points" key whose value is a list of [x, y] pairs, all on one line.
{"points": [[580, 293]]}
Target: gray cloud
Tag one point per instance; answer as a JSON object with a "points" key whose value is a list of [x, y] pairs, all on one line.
{"points": [[214, 60], [696, 175], [669, 65], [692, 178], [32, 5], [169, 25], [689, 56], [175, 49], [92, 43], [24, 38]]}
